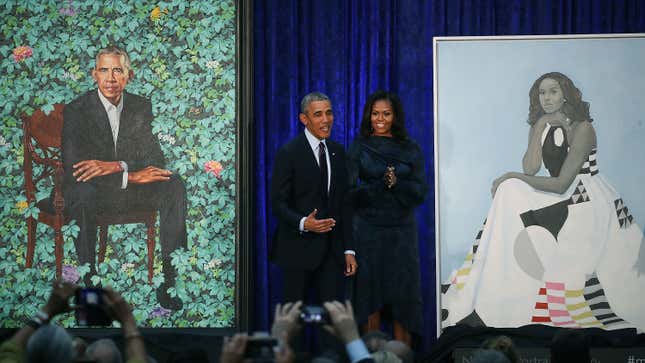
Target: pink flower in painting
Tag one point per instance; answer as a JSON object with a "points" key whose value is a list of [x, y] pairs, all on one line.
{"points": [[70, 274], [213, 167], [22, 52], [67, 10]]}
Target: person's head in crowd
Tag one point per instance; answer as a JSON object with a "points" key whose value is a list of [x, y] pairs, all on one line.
{"points": [[393, 114], [104, 351], [489, 356], [79, 345], [570, 346], [50, 343], [503, 344], [402, 350], [385, 356], [375, 340]]}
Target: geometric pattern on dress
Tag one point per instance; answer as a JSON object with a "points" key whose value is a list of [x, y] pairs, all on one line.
{"points": [[582, 308], [595, 297], [590, 166], [459, 277], [579, 194], [625, 219]]}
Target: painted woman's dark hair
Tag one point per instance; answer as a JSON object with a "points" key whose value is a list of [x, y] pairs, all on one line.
{"points": [[574, 107]]}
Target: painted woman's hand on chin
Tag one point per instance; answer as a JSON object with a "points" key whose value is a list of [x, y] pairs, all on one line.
{"points": [[554, 119]]}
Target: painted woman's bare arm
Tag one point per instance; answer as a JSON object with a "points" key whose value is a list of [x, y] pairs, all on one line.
{"points": [[532, 160], [583, 140]]}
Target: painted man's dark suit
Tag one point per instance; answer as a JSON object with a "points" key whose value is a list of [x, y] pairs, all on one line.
{"points": [[87, 135], [296, 191]]}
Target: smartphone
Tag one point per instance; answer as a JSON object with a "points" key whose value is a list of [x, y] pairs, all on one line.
{"points": [[90, 307], [314, 314], [260, 348]]}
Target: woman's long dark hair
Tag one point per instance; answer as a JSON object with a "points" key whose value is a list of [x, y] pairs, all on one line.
{"points": [[574, 108], [398, 122]]}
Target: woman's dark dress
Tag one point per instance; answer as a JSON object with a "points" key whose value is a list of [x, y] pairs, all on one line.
{"points": [[384, 228]]}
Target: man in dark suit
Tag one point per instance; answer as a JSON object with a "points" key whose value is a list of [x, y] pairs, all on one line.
{"points": [[113, 162], [312, 244]]}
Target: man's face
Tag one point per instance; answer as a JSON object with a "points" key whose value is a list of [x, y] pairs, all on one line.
{"points": [[318, 119], [111, 76]]}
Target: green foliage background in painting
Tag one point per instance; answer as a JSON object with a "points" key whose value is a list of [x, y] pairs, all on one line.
{"points": [[183, 54]]}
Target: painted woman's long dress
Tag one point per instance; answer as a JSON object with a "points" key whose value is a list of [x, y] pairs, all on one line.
{"points": [[570, 260]]}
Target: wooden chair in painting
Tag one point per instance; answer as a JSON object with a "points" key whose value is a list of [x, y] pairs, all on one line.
{"points": [[43, 160]]}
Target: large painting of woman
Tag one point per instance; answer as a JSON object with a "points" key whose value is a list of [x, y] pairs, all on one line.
{"points": [[559, 249], [527, 128]]}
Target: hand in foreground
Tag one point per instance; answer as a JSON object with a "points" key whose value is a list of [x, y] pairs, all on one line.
{"points": [[120, 310], [389, 177], [58, 301], [343, 324], [286, 320], [117, 307], [350, 264], [318, 225], [284, 354], [149, 174], [233, 348], [89, 169]]}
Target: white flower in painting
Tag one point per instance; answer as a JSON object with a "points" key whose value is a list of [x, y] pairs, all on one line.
{"points": [[167, 138], [70, 75], [213, 64], [213, 264]]}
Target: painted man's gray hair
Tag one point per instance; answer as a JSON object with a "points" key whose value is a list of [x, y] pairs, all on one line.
{"points": [[114, 50], [312, 97], [50, 343]]}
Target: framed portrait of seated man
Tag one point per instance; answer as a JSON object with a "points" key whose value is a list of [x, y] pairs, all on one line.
{"points": [[136, 110]]}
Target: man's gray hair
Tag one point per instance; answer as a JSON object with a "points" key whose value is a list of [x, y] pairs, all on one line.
{"points": [[104, 351], [50, 343], [312, 97], [114, 50]]}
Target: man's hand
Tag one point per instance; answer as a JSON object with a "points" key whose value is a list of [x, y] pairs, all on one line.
{"points": [[343, 324], [233, 348], [89, 169], [59, 299], [318, 225], [350, 264], [286, 319], [149, 174], [284, 353], [120, 310], [117, 307]]}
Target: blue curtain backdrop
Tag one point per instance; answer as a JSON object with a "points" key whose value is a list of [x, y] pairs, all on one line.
{"points": [[348, 49]]}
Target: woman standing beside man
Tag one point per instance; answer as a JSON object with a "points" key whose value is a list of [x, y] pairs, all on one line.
{"points": [[387, 178]]}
